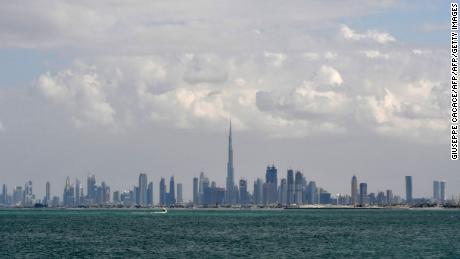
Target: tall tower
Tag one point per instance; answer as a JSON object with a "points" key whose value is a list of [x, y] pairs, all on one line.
{"points": [[142, 189], [196, 194], [230, 194], [442, 191], [290, 187], [47, 199], [354, 190], [409, 190], [162, 192]]}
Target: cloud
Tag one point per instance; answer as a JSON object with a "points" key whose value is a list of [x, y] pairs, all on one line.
{"points": [[2, 127], [414, 112], [275, 59], [330, 76], [371, 35], [205, 69], [82, 92], [375, 54]]}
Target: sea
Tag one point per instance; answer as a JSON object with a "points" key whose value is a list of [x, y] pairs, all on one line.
{"points": [[230, 233]]}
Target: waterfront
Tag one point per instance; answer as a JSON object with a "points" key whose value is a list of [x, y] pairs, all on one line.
{"points": [[230, 233]]}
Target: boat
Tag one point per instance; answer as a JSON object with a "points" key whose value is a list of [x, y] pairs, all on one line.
{"points": [[162, 211]]}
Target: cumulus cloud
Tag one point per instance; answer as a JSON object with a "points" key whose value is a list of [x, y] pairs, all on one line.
{"points": [[84, 94], [330, 76], [371, 35], [414, 111]]}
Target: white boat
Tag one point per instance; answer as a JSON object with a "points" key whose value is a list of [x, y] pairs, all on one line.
{"points": [[163, 211]]}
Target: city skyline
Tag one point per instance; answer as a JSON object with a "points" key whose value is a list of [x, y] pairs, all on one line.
{"points": [[121, 89], [292, 190]]}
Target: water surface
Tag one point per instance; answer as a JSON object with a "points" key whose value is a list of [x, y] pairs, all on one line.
{"points": [[322, 233]]}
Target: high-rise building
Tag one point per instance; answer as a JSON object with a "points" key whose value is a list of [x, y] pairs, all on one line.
{"points": [[312, 193], [244, 196], [409, 189], [91, 189], [171, 196], [69, 194], [204, 181], [196, 193], [116, 197], [162, 191], [363, 201], [324, 196], [4, 195], [78, 192], [142, 189], [150, 194], [354, 190], [179, 193], [270, 188], [258, 191], [390, 197], [290, 186], [136, 195], [442, 191], [283, 192], [230, 197], [28, 194], [436, 191], [18, 194], [298, 188]]}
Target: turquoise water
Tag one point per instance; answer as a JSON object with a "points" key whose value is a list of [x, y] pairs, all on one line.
{"points": [[322, 233]]}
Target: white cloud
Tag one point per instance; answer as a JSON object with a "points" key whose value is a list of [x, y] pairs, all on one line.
{"points": [[276, 59], [83, 93], [330, 76], [413, 111], [375, 54], [372, 35]]}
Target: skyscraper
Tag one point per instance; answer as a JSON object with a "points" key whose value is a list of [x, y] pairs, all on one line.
{"points": [[243, 186], [150, 194], [91, 188], [436, 191], [230, 184], [312, 192], [171, 197], [28, 194], [195, 191], [354, 190], [69, 193], [290, 186], [204, 181], [179, 193], [363, 194], [298, 188], [4, 195], [409, 189], [258, 191], [78, 192], [142, 189], [443, 191], [162, 191], [389, 197], [271, 185], [18, 194], [283, 192]]}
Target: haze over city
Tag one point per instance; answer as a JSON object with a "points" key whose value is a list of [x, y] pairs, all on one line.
{"points": [[331, 89]]}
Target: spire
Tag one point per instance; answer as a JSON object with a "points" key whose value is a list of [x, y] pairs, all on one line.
{"points": [[230, 171], [230, 133]]}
